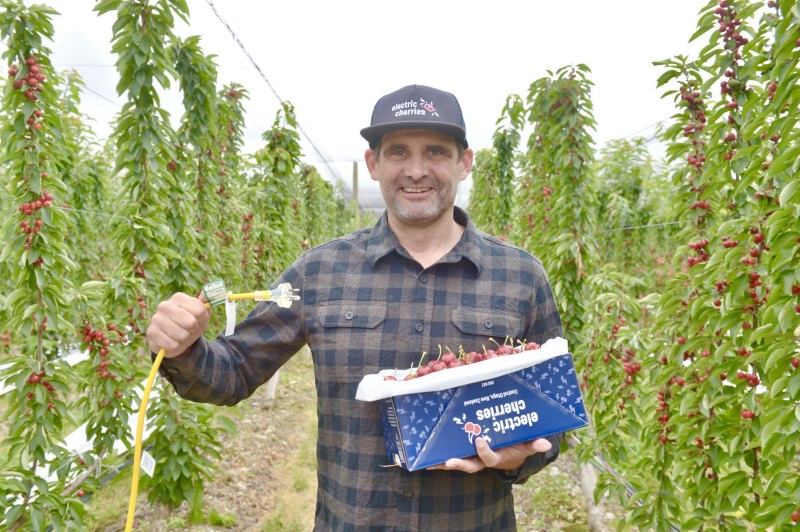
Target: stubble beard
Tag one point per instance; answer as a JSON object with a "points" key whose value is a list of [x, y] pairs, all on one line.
{"points": [[419, 213]]}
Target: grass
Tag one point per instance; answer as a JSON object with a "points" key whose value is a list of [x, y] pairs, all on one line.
{"points": [[109, 503], [552, 499]]}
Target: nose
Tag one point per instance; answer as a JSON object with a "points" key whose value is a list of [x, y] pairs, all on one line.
{"points": [[416, 167]]}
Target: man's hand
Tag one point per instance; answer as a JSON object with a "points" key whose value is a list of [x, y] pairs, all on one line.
{"points": [[178, 323], [506, 459]]}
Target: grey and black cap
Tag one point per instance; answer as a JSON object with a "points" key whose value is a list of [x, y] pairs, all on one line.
{"points": [[417, 107]]}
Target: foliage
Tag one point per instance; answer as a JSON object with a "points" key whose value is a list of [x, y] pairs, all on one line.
{"points": [[183, 448], [686, 337], [97, 232], [637, 228], [718, 403], [33, 481], [556, 201], [494, 173], [321, 210], [276, 192]]}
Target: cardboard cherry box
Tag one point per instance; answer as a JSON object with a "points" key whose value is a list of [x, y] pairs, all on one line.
{"points": [[506, 400]]}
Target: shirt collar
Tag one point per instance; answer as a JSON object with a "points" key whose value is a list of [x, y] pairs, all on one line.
{"points": [[472, 247]]}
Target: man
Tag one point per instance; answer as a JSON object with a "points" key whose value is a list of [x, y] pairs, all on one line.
{"points": [[423, 276]]}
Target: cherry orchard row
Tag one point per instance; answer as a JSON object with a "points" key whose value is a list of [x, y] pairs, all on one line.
{"points": [[686, 338], [184, 201]]}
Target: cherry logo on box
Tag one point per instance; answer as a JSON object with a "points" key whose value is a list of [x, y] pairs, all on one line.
{"points": [[472, 429]]}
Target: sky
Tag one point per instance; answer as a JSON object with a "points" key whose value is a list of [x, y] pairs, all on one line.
{"points": [[333, 60]]}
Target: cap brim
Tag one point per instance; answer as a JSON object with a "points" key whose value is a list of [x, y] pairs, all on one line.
{"points": [[373, 133]]}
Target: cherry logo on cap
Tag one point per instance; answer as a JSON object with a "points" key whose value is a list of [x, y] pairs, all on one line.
{"points": [[428, 106]]}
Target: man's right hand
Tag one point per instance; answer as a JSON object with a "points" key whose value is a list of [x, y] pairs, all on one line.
{"points": [[177, 324]]}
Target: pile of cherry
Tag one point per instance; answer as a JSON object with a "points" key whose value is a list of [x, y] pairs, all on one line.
{"points": [[448, 359]]}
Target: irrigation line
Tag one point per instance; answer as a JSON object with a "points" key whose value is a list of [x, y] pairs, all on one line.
{"points": [[113, 215], [648, 226], [640, 227]]}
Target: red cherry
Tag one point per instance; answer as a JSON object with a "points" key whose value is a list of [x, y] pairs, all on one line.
{"points": [[439, 366], [505, 349], [423, 370], [81, 493]]}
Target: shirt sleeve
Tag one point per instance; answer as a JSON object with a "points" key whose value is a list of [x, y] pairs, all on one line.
{"points": [[229, 369]]}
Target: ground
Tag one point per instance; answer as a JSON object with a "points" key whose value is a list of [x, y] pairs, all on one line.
{"points": [[267, 482]]}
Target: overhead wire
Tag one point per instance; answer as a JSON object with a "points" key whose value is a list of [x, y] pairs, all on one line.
{"points": [[241, 45]]}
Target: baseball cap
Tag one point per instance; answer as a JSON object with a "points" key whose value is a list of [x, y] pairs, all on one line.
{"points": [[417, 107]]}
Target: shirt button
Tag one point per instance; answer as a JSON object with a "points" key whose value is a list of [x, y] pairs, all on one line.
{"points": [[487, 324], [423, 279], [348, 315], [408, 494], [419, 327]]}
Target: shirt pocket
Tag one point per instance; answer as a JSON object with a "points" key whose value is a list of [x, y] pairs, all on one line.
{"points": [[485, 323], [350, 339]]}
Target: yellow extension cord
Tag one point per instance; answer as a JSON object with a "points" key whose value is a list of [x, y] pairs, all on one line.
{"points": [[262, 295]]}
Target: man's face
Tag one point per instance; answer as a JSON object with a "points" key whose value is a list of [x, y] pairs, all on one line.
{"points": [[419, 171]]}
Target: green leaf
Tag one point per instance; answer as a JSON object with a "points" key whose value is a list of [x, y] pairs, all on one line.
{"points": [[788, 191], [783, 161], [794, 387]]}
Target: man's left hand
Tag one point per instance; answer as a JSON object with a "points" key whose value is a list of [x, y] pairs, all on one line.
{"points": [[506, 459]]}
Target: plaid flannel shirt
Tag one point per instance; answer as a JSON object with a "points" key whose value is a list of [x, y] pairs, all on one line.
{"points": [[366, 305]]}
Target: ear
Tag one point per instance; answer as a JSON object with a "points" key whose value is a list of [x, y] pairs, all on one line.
{"points": [[372, 163], [466, 163]]}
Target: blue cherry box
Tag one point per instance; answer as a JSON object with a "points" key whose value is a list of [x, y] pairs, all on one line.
{"points": [[506, 400]]}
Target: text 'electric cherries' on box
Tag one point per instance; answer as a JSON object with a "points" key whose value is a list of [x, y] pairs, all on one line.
{"points": [[506, 400]]}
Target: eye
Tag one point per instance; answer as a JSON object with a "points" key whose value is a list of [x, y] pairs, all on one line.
{"points": [[438, 152]]}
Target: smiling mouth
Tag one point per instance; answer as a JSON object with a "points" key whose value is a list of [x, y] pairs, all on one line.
{"points": [[415, 190]]}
